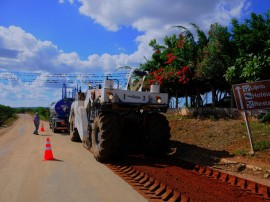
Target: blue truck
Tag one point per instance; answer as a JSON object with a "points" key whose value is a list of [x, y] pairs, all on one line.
{"points": [[59, 112]]}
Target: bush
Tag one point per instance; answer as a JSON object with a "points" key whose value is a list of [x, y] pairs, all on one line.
{"points": [[262, 145], [240, 152], [44, 113], [6, 112], [265, 117]]}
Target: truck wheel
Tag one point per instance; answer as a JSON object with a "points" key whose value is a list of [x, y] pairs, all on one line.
{"points": [[106, 136], [158, 132], [74, 134]]}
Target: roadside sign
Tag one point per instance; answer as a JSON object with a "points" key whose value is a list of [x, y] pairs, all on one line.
{"points": [[249, 96], [255, 95]]}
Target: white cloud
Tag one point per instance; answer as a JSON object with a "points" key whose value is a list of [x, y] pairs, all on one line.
{"points": [[156, 18], [20, 50], [16, 93], [151, 14]]}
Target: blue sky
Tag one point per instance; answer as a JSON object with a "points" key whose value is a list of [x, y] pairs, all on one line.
{"points": [[62, 24], [48, 37]]}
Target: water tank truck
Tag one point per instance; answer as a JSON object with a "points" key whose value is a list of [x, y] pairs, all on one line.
{"points": [[59, 112]]}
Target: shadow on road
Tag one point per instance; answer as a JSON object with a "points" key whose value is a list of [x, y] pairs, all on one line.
{"points": [[198, 155], [59, 160], [191, 154]]}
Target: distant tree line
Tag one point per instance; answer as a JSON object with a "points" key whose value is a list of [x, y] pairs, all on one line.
{"points": [[189, 68], [7, 112], [43, 112]]}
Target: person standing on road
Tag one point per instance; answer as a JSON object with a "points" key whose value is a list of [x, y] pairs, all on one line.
{"points": [[36, 122]]}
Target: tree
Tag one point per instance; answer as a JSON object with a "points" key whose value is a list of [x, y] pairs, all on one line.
{"points": [[252, 40], [215, 59], [6, 112], [189, 68], [172, 64]]}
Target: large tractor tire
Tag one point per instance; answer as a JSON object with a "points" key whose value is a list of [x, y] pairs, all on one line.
{"points": [[132, 138], [158, 135], [106, 136], [74, 134]]}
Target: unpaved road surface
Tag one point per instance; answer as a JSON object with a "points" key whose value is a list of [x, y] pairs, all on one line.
{"points": [[74, 175]]}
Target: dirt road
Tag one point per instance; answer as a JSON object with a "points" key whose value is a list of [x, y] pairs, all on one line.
{"points": [[73, 176]]}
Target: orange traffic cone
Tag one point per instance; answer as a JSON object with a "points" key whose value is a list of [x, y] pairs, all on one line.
{"points": [[42, 127], [48, 155]]}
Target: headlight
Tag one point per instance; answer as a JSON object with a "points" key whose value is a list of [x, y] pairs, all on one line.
{"points": [[110, 97]]}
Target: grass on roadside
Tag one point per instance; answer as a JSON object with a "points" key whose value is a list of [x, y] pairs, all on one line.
{"points": [[262, 145], [221, 134], [240, 152]]}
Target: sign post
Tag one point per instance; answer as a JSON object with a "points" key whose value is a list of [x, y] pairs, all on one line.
{"points": [[250, 96], [252, 152]]}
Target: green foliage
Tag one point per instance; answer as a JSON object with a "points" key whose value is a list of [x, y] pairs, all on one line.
{"points": [[250, 37], [185, 67], [252, 41], [241, 152], [6, 113], [262, 145], [213, 117], [172, 64], [43, 112], [216, 57], [249, 68], [265, 117]]}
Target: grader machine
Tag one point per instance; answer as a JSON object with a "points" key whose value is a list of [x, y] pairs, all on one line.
{"points": [[111, 121]]}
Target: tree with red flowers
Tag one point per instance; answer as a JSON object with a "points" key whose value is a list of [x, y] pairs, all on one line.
{"points": [[171, 64], [186, 67]]}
